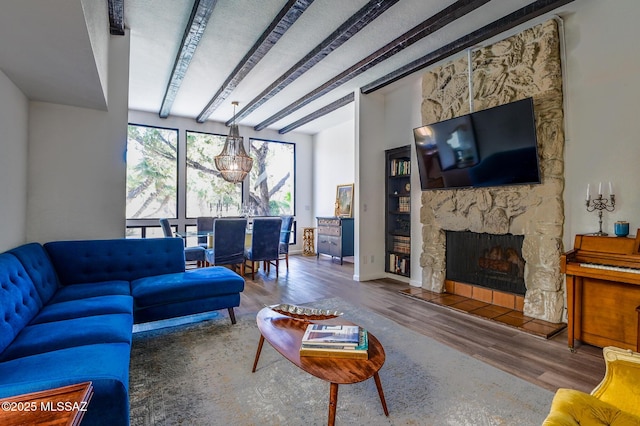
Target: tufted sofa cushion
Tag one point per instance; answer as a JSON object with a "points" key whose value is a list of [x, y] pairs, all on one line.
{"points": [[38, 265], [84, 291], [51, 336], [93, 261], [19, 300], [87, 307]]}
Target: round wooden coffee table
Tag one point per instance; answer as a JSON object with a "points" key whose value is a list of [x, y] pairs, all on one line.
{"points": [[285, 335]]}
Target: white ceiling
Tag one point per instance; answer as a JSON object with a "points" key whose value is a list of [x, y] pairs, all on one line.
{"points": [[49, 55], [46, 50]]}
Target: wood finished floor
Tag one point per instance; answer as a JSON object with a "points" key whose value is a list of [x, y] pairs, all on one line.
{"points": [[547, 363]]}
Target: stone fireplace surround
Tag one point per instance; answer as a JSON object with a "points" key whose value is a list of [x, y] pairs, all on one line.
{"points": [[524, 65]]}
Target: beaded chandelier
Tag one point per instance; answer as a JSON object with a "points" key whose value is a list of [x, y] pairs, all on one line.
{"points": [[233, 162]]}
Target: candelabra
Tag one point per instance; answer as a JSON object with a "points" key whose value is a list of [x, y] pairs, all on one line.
{"points": [[600, 204]]}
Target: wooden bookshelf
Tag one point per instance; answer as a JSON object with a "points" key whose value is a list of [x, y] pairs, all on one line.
{"points": [[398, 211]]}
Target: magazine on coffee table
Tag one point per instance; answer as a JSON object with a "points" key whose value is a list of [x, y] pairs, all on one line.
{"points": [[339, 335]]}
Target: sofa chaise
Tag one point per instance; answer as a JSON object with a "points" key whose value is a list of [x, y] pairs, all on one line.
{"points": [[67, 309]]}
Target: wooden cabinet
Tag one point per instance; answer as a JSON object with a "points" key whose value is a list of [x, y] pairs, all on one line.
{"points": [[335, 237], [398, 211]]}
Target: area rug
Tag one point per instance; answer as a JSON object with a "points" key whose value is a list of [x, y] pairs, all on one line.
{"points": [[200, 374]]}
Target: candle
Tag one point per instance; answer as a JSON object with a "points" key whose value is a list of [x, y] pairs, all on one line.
{"points": [[600, 188], [610, 188], [588, 194]]}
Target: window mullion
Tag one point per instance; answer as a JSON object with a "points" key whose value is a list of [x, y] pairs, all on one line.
{"points": [[182, 180]]}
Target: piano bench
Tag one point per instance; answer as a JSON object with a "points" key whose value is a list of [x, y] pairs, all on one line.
{"points": [[615, 401]]}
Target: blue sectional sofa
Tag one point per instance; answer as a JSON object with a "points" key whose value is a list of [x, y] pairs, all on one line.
{"points": [[67, 309]]}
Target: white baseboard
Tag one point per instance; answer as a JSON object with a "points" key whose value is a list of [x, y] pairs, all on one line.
{"points": [[368, 277], [415, 283]]}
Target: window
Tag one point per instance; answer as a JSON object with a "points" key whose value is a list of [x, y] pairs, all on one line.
{"points": [[171, 174], [152, 178], [208, 194], [272, 178]]}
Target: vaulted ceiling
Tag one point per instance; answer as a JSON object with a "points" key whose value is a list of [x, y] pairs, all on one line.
{"points": [[286, 62]]}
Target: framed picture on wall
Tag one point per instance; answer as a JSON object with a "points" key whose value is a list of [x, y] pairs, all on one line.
{"points": [[344, 200]]}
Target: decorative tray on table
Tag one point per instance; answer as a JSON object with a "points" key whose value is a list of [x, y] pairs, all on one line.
{"points": [[301, 312]]}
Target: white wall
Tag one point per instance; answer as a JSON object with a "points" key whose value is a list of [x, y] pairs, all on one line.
{"points": [[14, 118], [333, 165], [369, 193], [77, 169], [304, 155], [603, 141], [96, 16]]}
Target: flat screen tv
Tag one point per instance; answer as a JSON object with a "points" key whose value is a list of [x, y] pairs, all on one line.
{"points": [[493, 147]]}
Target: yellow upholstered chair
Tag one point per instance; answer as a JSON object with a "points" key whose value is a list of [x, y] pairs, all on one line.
{"points": [[615, 401]]}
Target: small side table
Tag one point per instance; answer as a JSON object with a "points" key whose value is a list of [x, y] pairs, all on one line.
{"points": [[59, 406], [308, 240]]}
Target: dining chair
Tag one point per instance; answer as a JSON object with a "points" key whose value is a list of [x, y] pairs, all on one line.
{"points": [[265, 242], [285, 235], [166, 227], [204, 225], [191, 254], [228, 242]]}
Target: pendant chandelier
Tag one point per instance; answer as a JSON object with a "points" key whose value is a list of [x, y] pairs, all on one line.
{"points": [[233, 162]]}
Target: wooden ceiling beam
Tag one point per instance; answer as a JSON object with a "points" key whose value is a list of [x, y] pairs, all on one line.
{"points": [[282, 22], [345, 100], [116, 17], [350, 27], [200, 14], [499, 26], [431, 25]]}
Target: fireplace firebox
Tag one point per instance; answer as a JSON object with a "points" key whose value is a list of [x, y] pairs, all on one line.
{"points": [[486, 260]]}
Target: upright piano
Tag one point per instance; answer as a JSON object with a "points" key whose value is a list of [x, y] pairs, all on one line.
{"points": [[603, 290]]}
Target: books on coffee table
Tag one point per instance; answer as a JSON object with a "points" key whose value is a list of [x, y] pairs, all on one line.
{"points": [[337, 341], [323, 334]]}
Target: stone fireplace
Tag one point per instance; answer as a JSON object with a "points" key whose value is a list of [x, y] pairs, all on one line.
{"points": [[524, 65]]}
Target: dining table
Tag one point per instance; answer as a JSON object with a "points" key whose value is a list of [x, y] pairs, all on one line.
{"points": [[209, 235]]}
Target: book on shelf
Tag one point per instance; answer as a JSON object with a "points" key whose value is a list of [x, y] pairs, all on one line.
{"points": [[399, 264], [325, 334], [404, 204], [400, 167], [402, 244]]}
